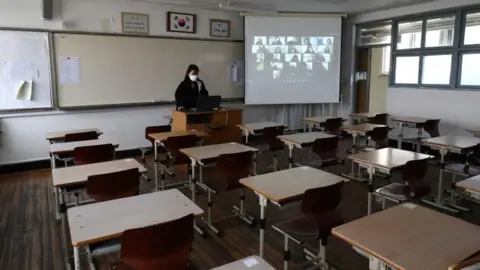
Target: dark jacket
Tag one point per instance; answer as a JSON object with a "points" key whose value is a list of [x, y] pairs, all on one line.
{"points": [[187, 93]]}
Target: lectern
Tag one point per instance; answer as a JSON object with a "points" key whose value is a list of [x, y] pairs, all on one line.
{"points": [[221, 125]]}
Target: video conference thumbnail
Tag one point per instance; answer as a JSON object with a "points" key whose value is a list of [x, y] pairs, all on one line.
{"points": [[292, 55]]}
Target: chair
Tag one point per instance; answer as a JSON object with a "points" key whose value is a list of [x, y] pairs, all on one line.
{"points": [[379, 119], [431, 128], [379, 135], [326, 151], [150, 130], [93, 154], [157, 247], [229, 169], [273, 144], [75, 137], [116, 185], [412, 186], [333, 126], [172, 146], [320, 214]]}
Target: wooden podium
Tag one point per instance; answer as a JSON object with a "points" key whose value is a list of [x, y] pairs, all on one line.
{"points": [[221, 125]]}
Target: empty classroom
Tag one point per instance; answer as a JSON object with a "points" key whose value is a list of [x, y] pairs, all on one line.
{"points": [[239, 135]]}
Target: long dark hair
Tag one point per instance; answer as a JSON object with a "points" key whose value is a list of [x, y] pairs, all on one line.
{"points": [[189, 69]]}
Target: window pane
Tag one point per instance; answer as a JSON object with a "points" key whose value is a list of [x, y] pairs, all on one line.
{"points": [[470, 69], [406, 69], [472, 29], [440, 32], [409, 35], [375, 35], [436, 69]]}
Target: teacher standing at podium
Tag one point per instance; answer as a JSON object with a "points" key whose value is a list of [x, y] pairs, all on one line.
{"points": [[190, 89]]}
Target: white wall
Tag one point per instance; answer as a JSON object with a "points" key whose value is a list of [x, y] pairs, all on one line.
{"points": [[378, 82], [458, 109]]}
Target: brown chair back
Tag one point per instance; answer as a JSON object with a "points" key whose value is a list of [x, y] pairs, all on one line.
{"points": [[413, 173], [233, 167], [431, 127], [111, 186], [326, 148], [81, 136], [379, 119], [334, 125], [93, 154], [380, 136], [270, 134], [156, 129], [161, 246], [174, 144]]}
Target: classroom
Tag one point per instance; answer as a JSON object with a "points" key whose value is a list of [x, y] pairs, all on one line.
{"points": [[239, 134]]}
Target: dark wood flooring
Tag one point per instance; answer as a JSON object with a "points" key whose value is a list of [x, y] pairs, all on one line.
{"points": [[30, 235]]}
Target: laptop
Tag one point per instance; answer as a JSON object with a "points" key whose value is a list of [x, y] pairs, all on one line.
{"points": [[208, 103]]}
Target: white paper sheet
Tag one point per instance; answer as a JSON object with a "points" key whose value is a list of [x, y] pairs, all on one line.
{"points": [[69, 70], [18, 71], [250, 262], [23, 90]]}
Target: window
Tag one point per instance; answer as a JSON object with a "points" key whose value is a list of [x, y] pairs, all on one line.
{"points": [[376, 34], [470, 70], [386, 60], [409, 35], [437, 69], [472, 29], [406, 69], [440, 32]]}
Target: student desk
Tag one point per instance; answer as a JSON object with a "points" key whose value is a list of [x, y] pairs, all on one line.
{"points": [[360, 129], [66, 147], [411, 237], [474, 131], [318, 120], [445, 144], [158, 140], [253, 128], [383, 160], [286, 186], [410, 121], [60, 135], [300, 140], [249, 263], [98, 222], [472, 186], [205, 156], [363, 117]]}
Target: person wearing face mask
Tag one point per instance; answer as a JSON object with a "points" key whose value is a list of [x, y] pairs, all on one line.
{"points": [[190, 89]]}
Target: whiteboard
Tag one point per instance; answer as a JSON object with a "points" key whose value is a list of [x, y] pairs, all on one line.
{"points": [[24, 56], [117, 70]]}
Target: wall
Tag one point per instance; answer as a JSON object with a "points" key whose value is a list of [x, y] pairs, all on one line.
{"points": [[378, 82], [457, 109]]}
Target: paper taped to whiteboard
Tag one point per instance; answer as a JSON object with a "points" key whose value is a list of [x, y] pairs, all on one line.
{"points": [[19, 71], [237, 72], [69, 70], [23, 90]]}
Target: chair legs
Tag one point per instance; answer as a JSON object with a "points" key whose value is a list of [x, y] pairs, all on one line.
{"points": [[286, 253], [208, 221], [320, 259], [240, 212]]}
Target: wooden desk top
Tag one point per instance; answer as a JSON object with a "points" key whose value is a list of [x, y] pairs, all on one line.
{"points": [[387, 158], [304, 138], [102, 221], [411, 119], [222, 110], [165, 135], [249, 263], [57, 148], [319, 119], [471, 184], [473, 130], [79, 174], [288, 185], [453, 142], [213, 151], [57, 135], [411, 237], [252, 127], [365, 114], [361, 128]]}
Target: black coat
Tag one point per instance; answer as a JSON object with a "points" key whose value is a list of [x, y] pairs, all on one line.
{"points": [[187, 93]]}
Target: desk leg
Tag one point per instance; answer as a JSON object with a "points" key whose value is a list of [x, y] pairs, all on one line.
{"points": [[57, 203], [263, 221], [290, 157], [245, 134], [76, 257], [354, 150], [155, 160], [254, 163], [371, 172], [191, 174], [400, 136]]}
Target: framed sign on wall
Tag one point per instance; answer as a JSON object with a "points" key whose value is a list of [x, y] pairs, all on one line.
{"points": [[220, 28], [181, 22], [135, 23]]}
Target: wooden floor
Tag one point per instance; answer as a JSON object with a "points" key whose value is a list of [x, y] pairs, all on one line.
{"points": [[30, 236]]}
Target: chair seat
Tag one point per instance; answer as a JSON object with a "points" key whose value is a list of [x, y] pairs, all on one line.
{"points": [[74, 188], [395, 191], [318, 163], [304, 229], [459, 168], [105, 247]]}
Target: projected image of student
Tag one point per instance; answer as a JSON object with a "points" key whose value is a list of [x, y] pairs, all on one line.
{"points": [[320, 41], [294, 41], [259, 49], [329, 41], [327, 49], [260, 41], [294, 49], [307, 57], [307, 41], [277, 57], [276, 40], [260, 58], [309, 49], [276, 49]]}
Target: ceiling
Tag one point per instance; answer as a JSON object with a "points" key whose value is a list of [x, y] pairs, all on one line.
{"points": [[343, 6]]}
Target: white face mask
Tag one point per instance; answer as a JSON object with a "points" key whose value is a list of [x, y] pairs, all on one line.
{"points": [[193, 78]]}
